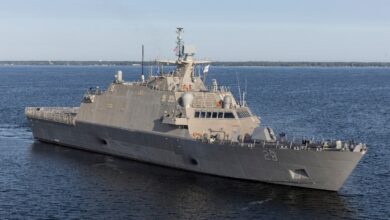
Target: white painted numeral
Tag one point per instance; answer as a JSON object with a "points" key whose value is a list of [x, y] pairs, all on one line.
{"points": [[270, 155]]}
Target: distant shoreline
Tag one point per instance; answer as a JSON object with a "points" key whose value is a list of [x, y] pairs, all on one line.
{"points": [[217, 63]]}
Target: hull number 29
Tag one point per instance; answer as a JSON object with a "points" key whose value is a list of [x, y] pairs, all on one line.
{"points": [[270, 155]]}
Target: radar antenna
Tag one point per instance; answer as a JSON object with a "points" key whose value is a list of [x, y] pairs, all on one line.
{"points": [[179, 47]]}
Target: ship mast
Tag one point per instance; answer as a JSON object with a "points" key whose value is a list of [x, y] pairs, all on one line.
{"points": [[179, 42]]}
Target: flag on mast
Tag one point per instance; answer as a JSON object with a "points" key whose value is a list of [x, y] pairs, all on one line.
{"points": [[206, 69]]}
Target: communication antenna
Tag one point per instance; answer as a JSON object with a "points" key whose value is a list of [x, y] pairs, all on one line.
{"points": [[142, 65], [245, 92], [239, 88]]}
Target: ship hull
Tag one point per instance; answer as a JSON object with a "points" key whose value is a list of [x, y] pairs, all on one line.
{"points": [[325, 170]]}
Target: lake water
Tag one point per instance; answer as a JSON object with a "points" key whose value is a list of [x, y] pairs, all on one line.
{"points": [[45, 181]]}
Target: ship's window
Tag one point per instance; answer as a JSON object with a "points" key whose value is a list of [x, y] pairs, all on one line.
{"points": [[229, 115], [213, 115], [197, 114]]}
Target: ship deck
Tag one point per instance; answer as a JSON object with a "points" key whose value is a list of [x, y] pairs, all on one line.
{"points": [[66, 115]]}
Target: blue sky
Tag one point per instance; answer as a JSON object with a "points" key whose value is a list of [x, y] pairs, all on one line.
{"points": [[290, 30]]}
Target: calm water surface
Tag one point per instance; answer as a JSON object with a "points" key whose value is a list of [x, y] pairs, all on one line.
{"points": [[40, 180]]}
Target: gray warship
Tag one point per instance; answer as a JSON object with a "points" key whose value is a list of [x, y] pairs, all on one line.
{"points": [[173, 119]]}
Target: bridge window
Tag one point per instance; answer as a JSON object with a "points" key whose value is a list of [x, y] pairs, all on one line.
{"points": [[199, 114], [228, 115]]}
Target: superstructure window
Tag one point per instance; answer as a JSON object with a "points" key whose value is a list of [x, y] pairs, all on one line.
{"points": [[199, 114], [229, 115]]}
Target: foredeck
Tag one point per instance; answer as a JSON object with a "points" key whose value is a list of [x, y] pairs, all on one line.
{"points": [[66, 115]]}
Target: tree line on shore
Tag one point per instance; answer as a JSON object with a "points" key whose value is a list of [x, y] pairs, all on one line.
{"points": [[217, 63]]}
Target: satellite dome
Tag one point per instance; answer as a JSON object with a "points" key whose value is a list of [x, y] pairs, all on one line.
{"points": [[187, 99]]}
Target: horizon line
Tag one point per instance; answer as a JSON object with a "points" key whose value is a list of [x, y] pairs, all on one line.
{"points": [[213, 61]]}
